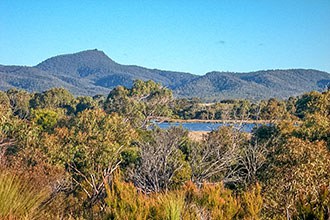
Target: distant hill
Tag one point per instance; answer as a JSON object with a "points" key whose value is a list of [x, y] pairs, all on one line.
{"points": [[93, 72], [255, 85], [97, 68]]}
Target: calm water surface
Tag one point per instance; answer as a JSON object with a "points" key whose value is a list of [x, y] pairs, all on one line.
{"points": [[197, 126]]}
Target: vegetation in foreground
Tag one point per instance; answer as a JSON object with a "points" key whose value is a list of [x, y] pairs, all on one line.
{"points": [[63, 157]]}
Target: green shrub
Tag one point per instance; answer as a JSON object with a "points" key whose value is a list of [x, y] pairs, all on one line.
{"points": [[45, 118], [314, 207]]}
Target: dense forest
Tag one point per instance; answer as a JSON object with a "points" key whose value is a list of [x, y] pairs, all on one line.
{"points": [[67, 157]]}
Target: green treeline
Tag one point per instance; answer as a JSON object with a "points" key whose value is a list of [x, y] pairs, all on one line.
{"points": [[272, 109], [66, 157]]}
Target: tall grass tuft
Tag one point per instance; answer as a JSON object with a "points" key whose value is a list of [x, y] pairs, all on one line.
{"points": [[210, 201], [19, 199], [171, 205]]}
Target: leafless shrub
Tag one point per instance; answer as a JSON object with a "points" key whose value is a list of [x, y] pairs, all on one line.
{"points": [[160, 160], [212, 160]]}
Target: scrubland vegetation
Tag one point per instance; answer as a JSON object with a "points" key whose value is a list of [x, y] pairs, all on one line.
{"points": [[66, 157]]}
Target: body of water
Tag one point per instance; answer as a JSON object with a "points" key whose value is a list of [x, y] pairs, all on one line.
{"points": [[206, 126]]}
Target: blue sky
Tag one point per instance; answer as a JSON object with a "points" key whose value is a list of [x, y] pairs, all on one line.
{"points": [[194, 36]]}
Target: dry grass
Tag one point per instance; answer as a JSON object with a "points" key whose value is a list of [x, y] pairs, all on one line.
{"points": [[19, 199]]}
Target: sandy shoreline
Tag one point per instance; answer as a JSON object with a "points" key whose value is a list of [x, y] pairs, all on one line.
{"points": [[197, 135]]}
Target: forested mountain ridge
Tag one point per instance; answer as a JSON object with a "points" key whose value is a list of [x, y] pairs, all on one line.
{"points": [[255, 85], [93, 72]]}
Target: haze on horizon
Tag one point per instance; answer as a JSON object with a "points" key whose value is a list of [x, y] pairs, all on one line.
{"points": [[190, 36]]}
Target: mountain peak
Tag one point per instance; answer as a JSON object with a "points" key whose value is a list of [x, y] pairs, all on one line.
{"points": [[92, 52], [71, 63], [82, 56]]}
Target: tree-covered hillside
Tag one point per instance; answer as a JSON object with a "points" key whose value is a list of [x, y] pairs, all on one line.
{"points": [[255, 85], [92, 72]]}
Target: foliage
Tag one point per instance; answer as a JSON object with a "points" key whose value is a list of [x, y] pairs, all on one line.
{"points": [[19, 199], [212, 159], [162, 164], [17, 136], [252, 202], [211, 201], [53, 98], [19, 102], [314, 206], [85, 103], [118, 101], [273, 110], [316, 125], [144, 101], [305, 104], [238, 110], [89, 148], [169, 206], [4, 104], [45, 118], [74, 146], [293, 168], [125, 202]]}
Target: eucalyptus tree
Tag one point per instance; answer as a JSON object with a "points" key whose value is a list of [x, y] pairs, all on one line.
{"points": [[89, 148], [19, 102], [54, 98], [141, 103]]}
